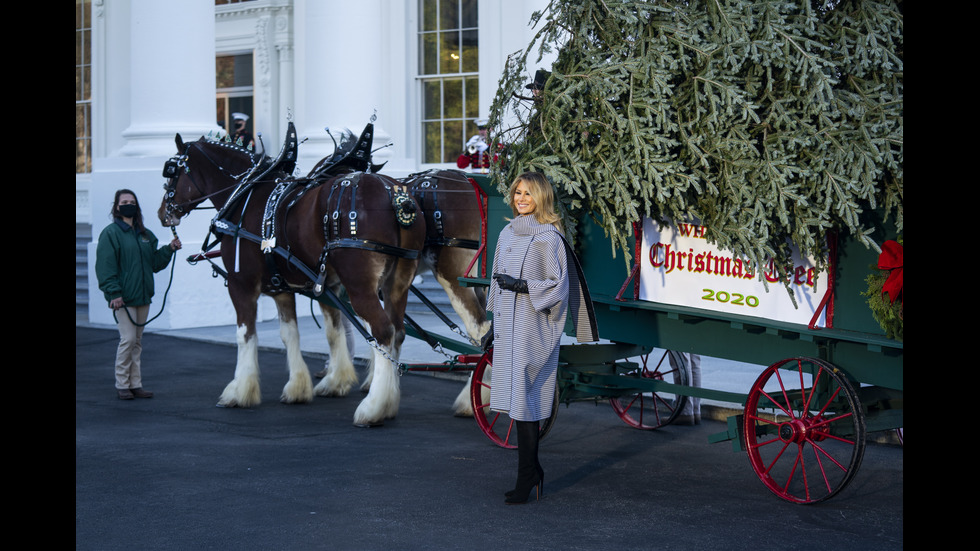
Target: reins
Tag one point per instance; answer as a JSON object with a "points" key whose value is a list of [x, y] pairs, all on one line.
{"points": [[163, 304]]}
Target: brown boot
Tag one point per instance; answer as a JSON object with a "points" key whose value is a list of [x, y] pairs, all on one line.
{"points": [[140, 393], [125, 394]]}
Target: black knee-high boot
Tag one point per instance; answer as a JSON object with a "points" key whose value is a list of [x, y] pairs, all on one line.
{"points": [[530, 476]]}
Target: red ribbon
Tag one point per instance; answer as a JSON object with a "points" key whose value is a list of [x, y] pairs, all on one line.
{"points": [[891, 259]]}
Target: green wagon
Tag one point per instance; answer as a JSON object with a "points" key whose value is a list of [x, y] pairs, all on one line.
{"points": [[803, 423]]}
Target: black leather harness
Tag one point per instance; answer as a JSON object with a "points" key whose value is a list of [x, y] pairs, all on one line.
{"points": [[426, 185]]}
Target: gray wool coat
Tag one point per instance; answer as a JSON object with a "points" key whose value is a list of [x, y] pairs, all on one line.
{"points": [[528, 327]]}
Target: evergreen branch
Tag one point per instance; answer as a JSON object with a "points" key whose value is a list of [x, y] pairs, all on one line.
{"points": [[735, 112]]}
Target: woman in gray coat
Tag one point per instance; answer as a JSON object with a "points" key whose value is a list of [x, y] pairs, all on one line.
{"points": [[536, 283]]}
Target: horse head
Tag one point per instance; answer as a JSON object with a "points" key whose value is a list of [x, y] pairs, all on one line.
{"points": [[201, 170]]}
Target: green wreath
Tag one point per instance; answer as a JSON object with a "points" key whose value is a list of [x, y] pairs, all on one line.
{"points": [[887, 310]]}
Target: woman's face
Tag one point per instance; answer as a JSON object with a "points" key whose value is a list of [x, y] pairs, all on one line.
{"points": [[126, 199], [523, 200]]}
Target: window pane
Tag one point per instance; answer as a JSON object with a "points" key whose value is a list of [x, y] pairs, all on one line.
{"points": [[431, 99], [432, 146], [79, 120], [233, 71], [471, 129], [471, 51], [454, 140], [429, 54], [225, 71], [449, 52], [83, 141], [449, 14], [472, 86], [452, 99], [222, 112], [469, 9], [87, 52], [243, 70], [82, 156], [428, 16]]}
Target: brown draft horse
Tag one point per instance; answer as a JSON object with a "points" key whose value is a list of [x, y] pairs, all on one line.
{"points": [[453, 213], [284, 253]]}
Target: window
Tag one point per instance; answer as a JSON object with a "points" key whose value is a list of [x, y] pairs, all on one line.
{"points": [[83, 86], [448, 72], [235, 89]]}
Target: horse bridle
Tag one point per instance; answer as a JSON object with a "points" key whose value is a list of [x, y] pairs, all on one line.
{"points": [[171, 171]]}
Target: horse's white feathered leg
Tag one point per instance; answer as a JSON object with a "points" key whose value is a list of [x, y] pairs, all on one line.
{"points": [[384, 397], [462, 406], [462, 299], [475, 328], [366, 385], [243, 390], [340, 376], [299, 388]]}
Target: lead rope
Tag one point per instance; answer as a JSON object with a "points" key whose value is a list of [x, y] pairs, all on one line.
{"points": [[173, 229]]}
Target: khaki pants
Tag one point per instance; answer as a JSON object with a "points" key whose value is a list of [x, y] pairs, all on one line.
{"points": [[130, 346]]}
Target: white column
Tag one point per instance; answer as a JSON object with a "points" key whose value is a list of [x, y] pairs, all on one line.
{"points": [[172, 74], [339, 83], [157, 79], [287, 101]]}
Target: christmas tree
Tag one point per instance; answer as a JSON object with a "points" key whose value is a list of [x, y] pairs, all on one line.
{"points": [[771, 122]]}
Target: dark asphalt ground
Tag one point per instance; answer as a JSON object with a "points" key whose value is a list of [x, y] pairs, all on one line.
{"points": [[176, 472]]}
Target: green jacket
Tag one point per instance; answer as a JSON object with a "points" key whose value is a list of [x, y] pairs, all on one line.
{"points": [[125, 262]]}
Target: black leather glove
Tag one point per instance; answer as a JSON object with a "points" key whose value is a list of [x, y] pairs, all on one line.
{"points": [[487, 340], [504, 281]]}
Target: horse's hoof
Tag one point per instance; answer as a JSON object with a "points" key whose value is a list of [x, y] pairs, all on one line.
{"points": [[230, 405], [369, 425], [320, 374]]}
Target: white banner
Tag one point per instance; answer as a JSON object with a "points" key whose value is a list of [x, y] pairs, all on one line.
{"points": [[679, 266]]}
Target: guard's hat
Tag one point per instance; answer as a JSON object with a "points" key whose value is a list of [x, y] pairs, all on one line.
{"points": [[239, 116], [481, 123], [540, 76]]}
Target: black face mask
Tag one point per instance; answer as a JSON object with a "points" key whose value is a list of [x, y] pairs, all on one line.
{"points": [[128, 211]]}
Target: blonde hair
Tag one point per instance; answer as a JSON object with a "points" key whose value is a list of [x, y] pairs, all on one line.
{"points": [[544, 198]]}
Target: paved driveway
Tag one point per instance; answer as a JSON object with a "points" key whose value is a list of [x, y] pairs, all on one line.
{"points": [[176, 472]]}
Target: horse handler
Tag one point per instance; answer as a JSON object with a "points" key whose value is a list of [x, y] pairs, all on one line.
{"points": [[126, 259]]}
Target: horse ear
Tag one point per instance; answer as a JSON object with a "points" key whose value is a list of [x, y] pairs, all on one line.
{"points": [[179, 141]]}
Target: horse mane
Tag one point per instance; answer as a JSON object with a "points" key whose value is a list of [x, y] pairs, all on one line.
{"points": [[225, 142], [351, 154]]}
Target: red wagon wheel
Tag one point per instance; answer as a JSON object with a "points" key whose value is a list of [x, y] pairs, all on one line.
{"points": [[804, 430], [498, 427], [651, 410]]}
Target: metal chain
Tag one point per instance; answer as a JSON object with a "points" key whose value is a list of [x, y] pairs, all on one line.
{"points": [[465, 335], [402, 368]]}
